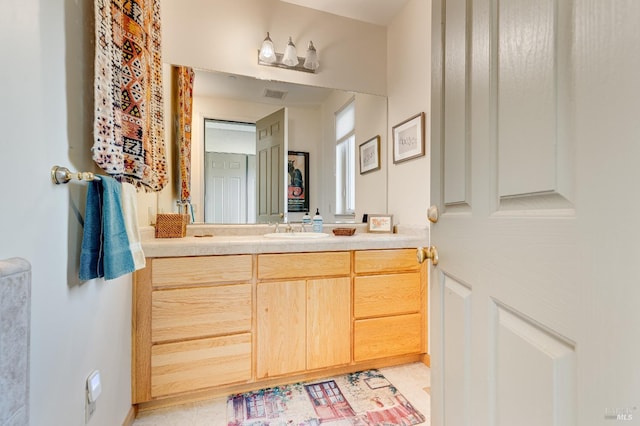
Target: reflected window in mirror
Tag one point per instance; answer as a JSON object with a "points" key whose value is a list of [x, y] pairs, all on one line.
{"points": [[229, 172], [346, 159]]}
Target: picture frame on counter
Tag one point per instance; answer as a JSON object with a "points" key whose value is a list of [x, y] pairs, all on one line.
{"points": [[380, 223], [370, 155], [408, 139]]}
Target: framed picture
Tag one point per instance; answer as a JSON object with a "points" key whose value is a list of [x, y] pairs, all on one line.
{"points": [[380, 223], [408, 139], [370, 155], [298, 186]]}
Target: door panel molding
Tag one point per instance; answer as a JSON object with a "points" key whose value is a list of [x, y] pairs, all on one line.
{"points": [[530, 86], [456, 350], [535, 383]]}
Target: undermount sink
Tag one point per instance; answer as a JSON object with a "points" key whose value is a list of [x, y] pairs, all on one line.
{"points": [[296, 235]]}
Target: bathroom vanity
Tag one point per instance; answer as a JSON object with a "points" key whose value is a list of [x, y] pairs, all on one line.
{"points": [[225, 314]]}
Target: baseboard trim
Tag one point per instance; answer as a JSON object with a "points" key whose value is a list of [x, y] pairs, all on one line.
{"points": [[426, 360], [224, 391], [131, 416]]}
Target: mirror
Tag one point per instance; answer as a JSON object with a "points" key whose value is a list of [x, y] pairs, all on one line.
{"points": [[224, 97]]}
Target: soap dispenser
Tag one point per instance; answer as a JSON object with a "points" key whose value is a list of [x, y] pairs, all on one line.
{"points": [[317, 222], [306, 219]]}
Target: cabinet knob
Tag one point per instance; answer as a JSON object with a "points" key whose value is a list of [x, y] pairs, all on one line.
{"points": [[424, 253]]}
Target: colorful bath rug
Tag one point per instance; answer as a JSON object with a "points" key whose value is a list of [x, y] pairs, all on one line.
{"points": [[364, 398]]}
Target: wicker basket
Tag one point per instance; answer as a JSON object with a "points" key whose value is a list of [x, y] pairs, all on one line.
{"points": [[344, 231], [171, 225]]}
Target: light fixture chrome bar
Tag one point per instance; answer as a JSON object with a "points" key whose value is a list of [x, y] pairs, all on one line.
{"points": [[278, 63]]}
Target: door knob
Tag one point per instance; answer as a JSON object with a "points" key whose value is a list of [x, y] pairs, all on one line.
{"points": [[433, 214], [424, 253]]}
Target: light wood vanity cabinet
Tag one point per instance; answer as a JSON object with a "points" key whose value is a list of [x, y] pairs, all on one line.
{"points": [[192, 324], [389, 304], [303, 312], [229, 323]]}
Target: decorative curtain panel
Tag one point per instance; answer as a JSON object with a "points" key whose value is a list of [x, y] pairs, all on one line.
{"points": [[184, 77], [129, 119]]}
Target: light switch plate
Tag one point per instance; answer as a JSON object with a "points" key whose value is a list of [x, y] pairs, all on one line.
{"points": [[94, 386]]}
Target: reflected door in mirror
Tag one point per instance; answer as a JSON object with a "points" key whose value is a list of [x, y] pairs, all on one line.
{"points": [[227, 199], [270, 150]]}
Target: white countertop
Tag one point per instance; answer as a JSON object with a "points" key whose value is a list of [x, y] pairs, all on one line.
{"points": [[227, 241]]}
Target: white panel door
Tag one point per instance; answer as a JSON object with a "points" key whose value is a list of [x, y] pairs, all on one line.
{"points": [[271, 155], [225, 188], [535, 304]]}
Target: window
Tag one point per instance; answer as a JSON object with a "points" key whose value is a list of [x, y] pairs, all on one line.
{"points": [[346, 159]]}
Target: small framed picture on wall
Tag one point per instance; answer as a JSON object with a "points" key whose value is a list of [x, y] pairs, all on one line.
{"points": [[370, 155], [408, 139]]}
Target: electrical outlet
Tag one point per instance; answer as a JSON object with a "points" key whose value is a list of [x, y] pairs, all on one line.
{"points": [[89, 409], [93, 390]]}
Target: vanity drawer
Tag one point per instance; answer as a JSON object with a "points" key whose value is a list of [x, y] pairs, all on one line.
{"points": [[185, 313], [185, 271], [379, 261], [388, 336], [198, 364], [303, 265], [392, 294]]}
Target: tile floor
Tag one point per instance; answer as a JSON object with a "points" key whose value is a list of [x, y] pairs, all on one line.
{"points": [[412, 380]]}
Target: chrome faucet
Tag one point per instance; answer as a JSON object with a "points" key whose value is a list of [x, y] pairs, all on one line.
{"points": [[287, 225]]}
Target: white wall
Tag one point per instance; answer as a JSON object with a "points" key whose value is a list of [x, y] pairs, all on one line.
{"points": [[46, 118], [371, 187], [409, 92], [224, 35], [227, 34]]}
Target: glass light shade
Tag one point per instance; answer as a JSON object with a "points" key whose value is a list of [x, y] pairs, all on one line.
{"points": [[290, 57], [267, 52], [311, 59]]}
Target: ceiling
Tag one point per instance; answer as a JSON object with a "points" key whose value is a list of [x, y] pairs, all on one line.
{"points": [[379, 12], [219, 84]]}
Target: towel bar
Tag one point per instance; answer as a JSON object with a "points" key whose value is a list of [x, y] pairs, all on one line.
{"points": [[61, 175]]}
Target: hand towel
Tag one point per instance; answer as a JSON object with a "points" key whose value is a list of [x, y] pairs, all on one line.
{"points": [[105, 246], [117, 255], [91, 263], [130, 214]]}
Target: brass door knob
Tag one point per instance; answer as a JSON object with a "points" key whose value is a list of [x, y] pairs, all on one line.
{"points": [[433, 214], [424, 253]]}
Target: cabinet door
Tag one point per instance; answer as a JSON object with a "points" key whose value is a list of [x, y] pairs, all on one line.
{"points": [[328, 322], [281, 328]]}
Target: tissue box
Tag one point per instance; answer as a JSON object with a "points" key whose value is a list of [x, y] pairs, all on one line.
{"points": [[171, 225]]}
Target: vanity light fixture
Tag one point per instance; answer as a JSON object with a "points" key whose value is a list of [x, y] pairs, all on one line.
{"points": [[311, 60], [289, 60], [267, 52]]}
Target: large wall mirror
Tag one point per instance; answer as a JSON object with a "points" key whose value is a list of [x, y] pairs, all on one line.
{"points": [[226, 108]]}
